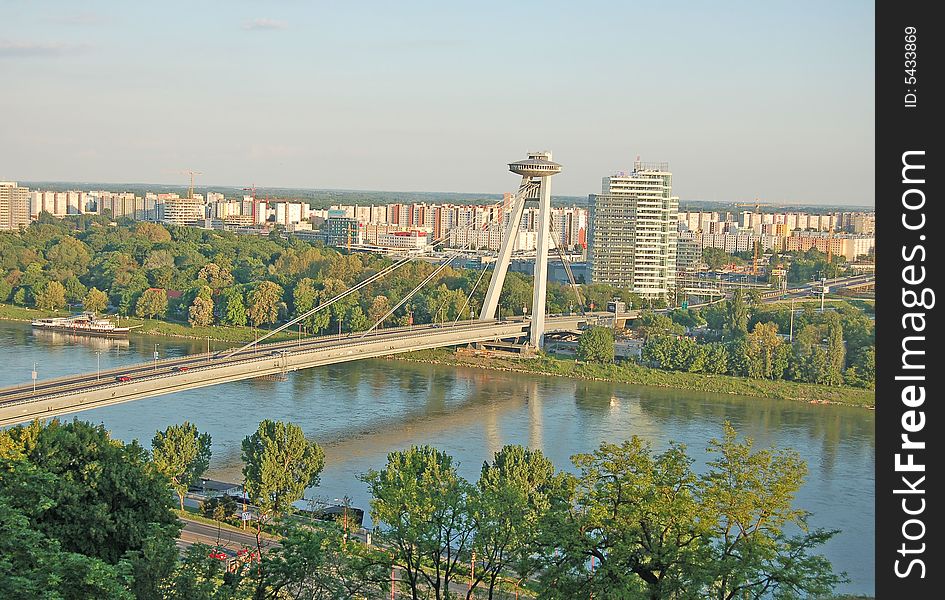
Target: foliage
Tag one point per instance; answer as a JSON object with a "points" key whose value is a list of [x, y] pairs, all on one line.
{"points": [[182, 455], [766, 354], [422, 503], [736, 315], [219, 508], [95, 300], [279, 463], [597, 345], [51, 297], [264, 303], [318, 562], [509, 501], [634, 524], [234, 310], [105, 496], [687, 317], [152, 303], [35, 566], [200, 313]]}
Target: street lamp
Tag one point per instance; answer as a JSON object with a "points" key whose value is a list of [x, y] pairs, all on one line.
{"points": [[155, 356], [98, 365]]}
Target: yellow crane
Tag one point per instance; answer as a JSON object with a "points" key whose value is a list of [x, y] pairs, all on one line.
{"points": [[191, 172]]}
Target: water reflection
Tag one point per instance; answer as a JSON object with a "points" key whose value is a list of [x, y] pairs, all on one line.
{"points": [[361, 411]]}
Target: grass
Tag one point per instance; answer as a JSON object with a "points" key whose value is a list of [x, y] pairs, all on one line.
{"points": [[635, 374]]}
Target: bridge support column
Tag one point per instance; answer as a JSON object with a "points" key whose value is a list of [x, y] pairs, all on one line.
{"points": [[537, 332], [491, 302], [536, 172]]}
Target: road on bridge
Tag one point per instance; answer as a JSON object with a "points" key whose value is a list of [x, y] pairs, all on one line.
{"points": [[92, 390]]}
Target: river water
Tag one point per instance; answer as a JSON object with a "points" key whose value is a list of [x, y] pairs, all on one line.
{"points": [[361, 411]]}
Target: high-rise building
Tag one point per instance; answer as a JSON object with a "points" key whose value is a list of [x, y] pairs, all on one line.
{"points": [[634, 231], [183, 211], [14, 206]]}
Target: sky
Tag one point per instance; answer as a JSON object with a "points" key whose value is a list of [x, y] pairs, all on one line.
{"points": [[744, 100]]}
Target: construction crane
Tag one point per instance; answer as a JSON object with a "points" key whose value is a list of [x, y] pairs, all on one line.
{"points": [[191, 172]]}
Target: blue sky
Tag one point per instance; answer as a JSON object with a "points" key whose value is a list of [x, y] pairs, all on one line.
{"points": [[743, 99]]}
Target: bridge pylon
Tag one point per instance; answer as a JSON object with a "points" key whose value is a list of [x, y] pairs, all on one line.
{"points": [[536, 172]]}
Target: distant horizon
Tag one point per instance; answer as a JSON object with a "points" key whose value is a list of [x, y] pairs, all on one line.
{"points": [[200, 188]]}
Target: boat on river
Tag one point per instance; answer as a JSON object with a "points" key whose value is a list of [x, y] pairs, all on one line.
{"points": [[82, 324]]}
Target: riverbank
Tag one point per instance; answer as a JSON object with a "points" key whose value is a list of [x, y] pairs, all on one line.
{"points": [[635, 374], [218, 333], [545, 365]]}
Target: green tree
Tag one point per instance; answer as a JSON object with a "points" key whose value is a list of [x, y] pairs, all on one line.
{"points": [[321, 561], [863, 368], [215, 276], [355, 319], [264, 303], [35, 566], [278, 464], [75, 291], [714, 315], [234, 309], [152, 303], [651, 324], [736, 317], [379, 307], [51, 297], [596, 345], [511, 497], [422, 502], [304, 296], [96, 496], [766, 353], [687, 317], [153, 232], [836, 351], [629, 526], [200, 313], [716, 258], [749, 495], [634, 524], [182, 455], [68, 256]]}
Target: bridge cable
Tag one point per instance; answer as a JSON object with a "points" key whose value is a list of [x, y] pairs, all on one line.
{"points": [[482, 272], [525, 187]]}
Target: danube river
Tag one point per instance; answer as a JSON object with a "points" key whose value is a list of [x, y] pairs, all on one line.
{"points": [[361, 411]]}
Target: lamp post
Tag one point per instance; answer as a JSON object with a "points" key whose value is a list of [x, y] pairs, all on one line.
{"points": [[33, 375], [155, 356], [98, 365]]}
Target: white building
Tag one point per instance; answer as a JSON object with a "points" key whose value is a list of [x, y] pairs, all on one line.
{"points": [[634, 231], [14, 206], [183, 211], [405, 240]]}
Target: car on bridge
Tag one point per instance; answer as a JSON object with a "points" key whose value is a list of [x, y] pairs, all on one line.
{"points": [[181, 368], [123, 378]]}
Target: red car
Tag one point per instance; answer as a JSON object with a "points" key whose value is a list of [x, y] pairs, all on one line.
{"points": [[123, 378], [181, 369]]}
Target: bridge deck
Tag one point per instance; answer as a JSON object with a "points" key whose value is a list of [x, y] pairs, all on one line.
{"points": [[91, 390]]}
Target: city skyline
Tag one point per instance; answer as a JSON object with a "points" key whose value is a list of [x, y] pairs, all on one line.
{"points": [[284, 95]]}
